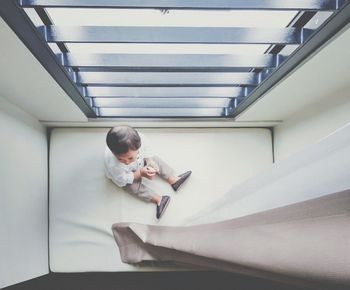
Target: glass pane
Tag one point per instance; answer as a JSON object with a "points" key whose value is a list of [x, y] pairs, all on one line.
{"points": [[318, 19], [167, 48], [187, 92], [157, 17], [161, 112], [161, 102], [34, 17], [164, 78]]}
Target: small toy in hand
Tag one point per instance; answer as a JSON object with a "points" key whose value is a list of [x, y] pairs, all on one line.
{"points": [[152, 166], [151, 169]]}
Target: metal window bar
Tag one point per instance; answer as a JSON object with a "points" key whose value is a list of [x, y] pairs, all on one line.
{"points": [[314, 5], [215, 35], [169, 62]]}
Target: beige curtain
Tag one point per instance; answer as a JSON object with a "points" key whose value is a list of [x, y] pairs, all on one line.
{"points": [[306, 241]]}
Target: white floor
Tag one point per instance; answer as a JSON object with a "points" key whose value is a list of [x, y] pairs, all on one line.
{"points": [[84, 204]]}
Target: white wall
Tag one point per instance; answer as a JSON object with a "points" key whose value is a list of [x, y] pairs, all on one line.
{"points": [[23, 196], [38, 93], [312, 124], [319, 77]]}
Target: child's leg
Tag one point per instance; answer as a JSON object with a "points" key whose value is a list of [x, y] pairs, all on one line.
{"points": [[142, 191], [165, 171], [145, 193]]}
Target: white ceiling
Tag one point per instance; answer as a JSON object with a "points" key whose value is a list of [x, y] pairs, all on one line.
{"points": [[25, 83]]}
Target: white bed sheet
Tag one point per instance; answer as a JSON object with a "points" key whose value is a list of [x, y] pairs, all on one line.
{"points": [[83, 203], [317, 170]]}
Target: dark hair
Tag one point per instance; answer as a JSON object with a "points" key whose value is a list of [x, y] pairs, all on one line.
{"points": [[121, 139]]}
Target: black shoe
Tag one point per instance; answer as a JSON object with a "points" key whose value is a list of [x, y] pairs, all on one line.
{"points": [[182, 179], [162, 206]]}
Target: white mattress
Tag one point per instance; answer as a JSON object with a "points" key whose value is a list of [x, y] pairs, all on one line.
{"points": [[317, 170], [83, 203]]}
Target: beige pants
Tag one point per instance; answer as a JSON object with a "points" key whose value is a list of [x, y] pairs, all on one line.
{"points": [[142, 191]]}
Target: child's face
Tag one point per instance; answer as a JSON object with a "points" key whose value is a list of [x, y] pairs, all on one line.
{"points": [[127, 157]]}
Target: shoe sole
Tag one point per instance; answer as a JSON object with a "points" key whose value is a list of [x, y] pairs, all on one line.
{"points": [[164, 209]]}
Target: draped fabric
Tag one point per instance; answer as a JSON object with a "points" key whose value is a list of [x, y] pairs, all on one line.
{"points": [[307, 240]]}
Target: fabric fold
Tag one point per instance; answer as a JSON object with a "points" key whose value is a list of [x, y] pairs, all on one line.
{"points": [[307, 240]]}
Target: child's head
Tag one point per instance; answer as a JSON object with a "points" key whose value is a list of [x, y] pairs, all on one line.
{"points": [[124, 141]]}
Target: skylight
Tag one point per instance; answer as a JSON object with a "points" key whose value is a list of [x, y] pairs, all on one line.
{"points": [[209, 59]]}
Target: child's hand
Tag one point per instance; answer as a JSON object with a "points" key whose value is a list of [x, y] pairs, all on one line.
{"points": [[148, 172], [151, 163]]}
